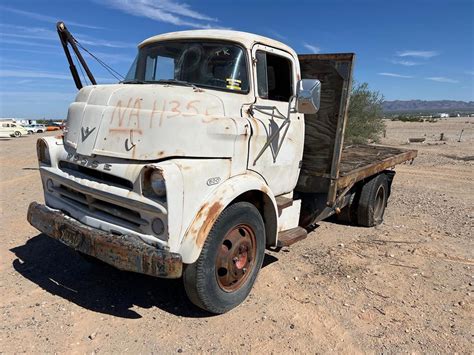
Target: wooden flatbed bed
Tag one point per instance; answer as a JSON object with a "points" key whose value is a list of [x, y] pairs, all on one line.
{"points": [[361, 161], [332, 172]]}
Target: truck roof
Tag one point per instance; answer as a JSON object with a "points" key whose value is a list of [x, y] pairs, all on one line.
{"points": [[244, 38]]}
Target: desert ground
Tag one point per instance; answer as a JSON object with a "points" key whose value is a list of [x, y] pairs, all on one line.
{"points": [[404, 286]]}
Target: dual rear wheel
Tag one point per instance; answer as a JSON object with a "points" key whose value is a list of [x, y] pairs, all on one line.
{"points": [[367, 207]]}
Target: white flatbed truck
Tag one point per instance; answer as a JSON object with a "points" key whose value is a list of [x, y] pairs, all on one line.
{"points": [[217, 145]]}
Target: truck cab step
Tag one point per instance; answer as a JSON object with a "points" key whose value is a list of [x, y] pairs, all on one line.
{"points": [[282, 203], [291, 236]]}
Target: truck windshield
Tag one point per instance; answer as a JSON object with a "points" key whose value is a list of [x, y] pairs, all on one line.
{"points": [[218, 65]]}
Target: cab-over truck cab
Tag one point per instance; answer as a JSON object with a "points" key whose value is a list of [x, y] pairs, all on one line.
{"points": [[189, 166]]}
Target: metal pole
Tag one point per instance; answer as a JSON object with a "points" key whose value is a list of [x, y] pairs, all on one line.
{"points": [[66, 37]]}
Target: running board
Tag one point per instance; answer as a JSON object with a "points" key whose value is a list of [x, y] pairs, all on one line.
{"points": [[291, 236]]}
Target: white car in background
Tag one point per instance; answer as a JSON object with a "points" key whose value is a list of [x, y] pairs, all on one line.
{"points": [[36, 128], [12, 130]]}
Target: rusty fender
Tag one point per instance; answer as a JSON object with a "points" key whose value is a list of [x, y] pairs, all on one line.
{"points": [[197, 232], [123, 252]]}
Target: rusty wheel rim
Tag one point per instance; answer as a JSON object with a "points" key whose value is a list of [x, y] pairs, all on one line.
{"points": [[379, 203], [236, 257]]}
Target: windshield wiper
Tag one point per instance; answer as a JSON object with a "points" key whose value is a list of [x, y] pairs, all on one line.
{"points": [[133, 81], [161, 81], [175, 81]]}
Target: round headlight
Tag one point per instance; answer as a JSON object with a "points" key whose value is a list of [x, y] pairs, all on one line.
{"points": [[157, 183]]}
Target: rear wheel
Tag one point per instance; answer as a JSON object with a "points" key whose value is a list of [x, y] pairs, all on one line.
{"points": [[230, 260], [372, 202]]}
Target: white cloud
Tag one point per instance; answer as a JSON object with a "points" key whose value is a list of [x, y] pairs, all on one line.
{"points": [[8, 73], [15, 31], [310, 47], [46, 34], [418, 54], [86, 40], [28, 43], [110, 57], [470, 72], [395, 75], [24, 81], [277, 35], [407, 63], [168, 11], [442, 79], [16, 49], [44, 18], [34, 74]]}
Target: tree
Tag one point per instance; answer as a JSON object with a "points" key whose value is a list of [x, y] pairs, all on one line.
{"points": [[364, 124]]}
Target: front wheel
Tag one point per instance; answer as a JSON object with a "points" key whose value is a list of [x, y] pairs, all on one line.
{"points": [[17, 134], [230, 260]]}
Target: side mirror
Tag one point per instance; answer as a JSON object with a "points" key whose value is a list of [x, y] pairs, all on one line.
{"points": [[308, 96]]}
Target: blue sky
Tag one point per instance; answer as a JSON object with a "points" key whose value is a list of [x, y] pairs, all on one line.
{"points": [[405, 49]]}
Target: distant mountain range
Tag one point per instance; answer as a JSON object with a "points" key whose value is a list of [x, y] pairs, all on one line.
{"points": [[421, 105]]}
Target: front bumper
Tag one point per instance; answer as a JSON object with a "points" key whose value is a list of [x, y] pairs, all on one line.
{"points": [[124, 252]]}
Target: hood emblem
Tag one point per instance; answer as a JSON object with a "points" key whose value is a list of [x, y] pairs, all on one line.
{"points": [[86, 132]]}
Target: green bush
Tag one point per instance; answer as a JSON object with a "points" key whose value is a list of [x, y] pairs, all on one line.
{"points": [[365, 115]]}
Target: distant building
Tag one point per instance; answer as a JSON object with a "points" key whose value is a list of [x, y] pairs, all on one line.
{"points": [[441, 115]]}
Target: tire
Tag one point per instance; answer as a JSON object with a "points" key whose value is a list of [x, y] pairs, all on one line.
{"points": [[217, 281], [372, 201], [39, 131], [17, 134]]}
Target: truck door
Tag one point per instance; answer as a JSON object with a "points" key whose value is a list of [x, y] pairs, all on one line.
{"points": [[277, 160]]}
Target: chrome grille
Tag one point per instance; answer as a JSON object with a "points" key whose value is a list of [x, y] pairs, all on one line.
{"points": [[94, 175], [125, 216]]}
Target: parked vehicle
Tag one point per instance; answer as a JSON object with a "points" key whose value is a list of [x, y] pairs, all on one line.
{"points": [[217, 145], [36, 128], [53, 127], [13, 130]]}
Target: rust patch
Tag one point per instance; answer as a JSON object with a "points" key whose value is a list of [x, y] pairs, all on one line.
{"points": [[209, 119], [186, 167], [209, 214], [123, 252]]}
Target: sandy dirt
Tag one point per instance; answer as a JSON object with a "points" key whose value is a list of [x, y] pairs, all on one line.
{"points": [[404, 286]]}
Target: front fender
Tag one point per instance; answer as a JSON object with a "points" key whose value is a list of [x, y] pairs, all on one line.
{"points": [[212, 207]]}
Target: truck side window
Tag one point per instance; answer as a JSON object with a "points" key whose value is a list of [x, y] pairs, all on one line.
{"points": [[274, 77]]}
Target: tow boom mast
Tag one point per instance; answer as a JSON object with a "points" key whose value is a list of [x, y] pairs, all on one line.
{"points": [[66, 38]]}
